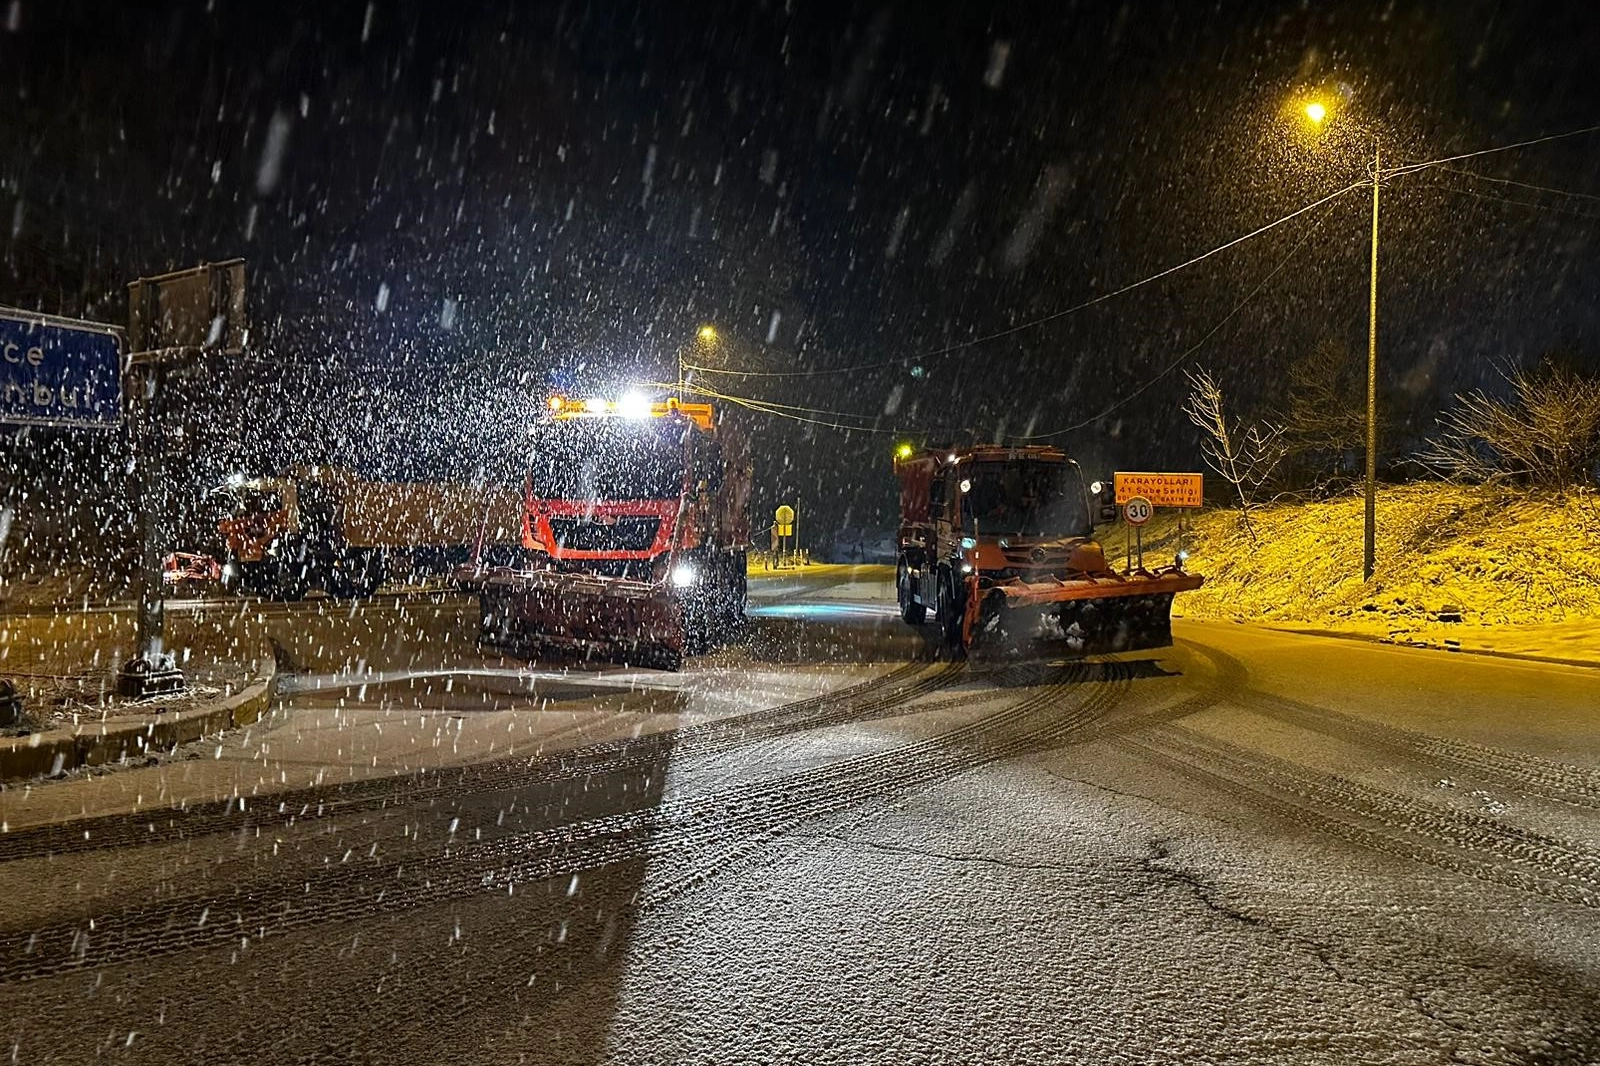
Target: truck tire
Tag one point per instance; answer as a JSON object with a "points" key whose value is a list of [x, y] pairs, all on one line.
{"points": [[355, 575], [911, 612], [374, 572], [950, 609], [741, 586], [290, 581], [257, 578]]}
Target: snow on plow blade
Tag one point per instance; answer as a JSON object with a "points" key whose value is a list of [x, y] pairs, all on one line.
{"points": [[636, 621], [1085, 615]]}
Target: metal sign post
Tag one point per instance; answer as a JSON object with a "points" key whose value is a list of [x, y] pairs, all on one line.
{"points": [[171, 319], [1138, 511], [783, 527]]}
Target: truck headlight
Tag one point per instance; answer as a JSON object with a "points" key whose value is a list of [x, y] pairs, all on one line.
{"points": [[685, 575]]}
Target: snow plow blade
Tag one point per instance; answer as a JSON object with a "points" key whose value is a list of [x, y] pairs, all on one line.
{"points": [[636, 622], [1087, 615]]}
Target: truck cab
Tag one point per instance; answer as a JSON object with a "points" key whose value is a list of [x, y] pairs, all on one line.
{"points": [[634, 534], [989, 513], [999, 536]]}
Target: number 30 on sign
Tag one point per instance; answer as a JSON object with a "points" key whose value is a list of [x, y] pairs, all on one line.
{"points": [[1138, 511]]}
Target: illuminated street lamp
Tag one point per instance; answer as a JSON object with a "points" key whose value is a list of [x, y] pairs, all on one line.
{"points": [[1317, 112], [705, 337]]}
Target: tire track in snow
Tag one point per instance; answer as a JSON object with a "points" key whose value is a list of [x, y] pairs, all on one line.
{"points": [[704, 833], [1562, 782], [920, 766], [1470, 844], [256, 813]]}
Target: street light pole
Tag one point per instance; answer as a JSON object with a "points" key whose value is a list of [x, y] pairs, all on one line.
{"points": [[1370, 546], [704, 338], [1317, 112]]}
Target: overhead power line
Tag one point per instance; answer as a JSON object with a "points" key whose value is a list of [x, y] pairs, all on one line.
{"points": [[1196, 346], [1532, 205], [1522, 184], [1043, 319], [1409, 168], [780, 410]]}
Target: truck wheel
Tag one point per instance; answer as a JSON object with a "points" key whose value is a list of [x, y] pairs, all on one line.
{"points": [[340, 581], [700, 622], [356, 575], [377, 573], [291, 582], [950, 607], [740, 591], [911, 611], [494, 627], [256, 579]]}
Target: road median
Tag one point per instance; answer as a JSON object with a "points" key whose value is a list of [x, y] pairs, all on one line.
{"points": [[134, 739]]}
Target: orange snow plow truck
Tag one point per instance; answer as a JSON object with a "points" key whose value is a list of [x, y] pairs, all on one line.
{"points": [[323, 527], [997, 542], [634, 534]]}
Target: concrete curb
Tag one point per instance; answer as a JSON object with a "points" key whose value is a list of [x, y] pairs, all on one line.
{"points": [[42, 754], [1489, 653]]}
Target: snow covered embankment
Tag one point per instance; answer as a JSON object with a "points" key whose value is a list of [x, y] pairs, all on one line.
{"points": [[1490, 568]]}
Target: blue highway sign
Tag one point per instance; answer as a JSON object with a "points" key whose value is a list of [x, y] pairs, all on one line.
{"points": [[59, 371]]}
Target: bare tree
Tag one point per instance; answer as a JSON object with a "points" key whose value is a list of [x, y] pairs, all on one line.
{"points": [[1546, 434], [1246, 456]]}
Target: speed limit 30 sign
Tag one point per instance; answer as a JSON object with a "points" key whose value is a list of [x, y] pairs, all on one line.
{"points": [[1138, 511]]}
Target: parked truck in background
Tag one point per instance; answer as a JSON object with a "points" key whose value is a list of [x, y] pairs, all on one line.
{"points": [[325, 528]]}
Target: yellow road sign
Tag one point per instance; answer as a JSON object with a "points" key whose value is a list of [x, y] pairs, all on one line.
{"points": [[1162, 490], [785, 515], [785, 531]]}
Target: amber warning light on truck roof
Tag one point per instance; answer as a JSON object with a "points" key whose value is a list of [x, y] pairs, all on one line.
{"points": [[632, 406]]}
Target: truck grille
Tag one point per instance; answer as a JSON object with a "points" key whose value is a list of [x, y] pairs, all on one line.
{"points": [[1038, 558], [634, 534]]}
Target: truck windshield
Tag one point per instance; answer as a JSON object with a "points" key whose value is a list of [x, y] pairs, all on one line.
{"points": [[1027, 499], [602, 460]]}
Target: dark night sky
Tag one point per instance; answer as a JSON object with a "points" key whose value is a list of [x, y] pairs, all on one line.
{"points": [[447, 205]]}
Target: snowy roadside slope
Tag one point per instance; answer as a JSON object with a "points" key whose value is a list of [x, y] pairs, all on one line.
{"points": [[1523, 572]]}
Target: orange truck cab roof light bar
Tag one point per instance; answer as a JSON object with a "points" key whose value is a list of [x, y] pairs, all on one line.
{"points": [[564, 409]]}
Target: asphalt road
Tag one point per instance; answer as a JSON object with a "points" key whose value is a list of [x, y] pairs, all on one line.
{"points": [[827, 846]]}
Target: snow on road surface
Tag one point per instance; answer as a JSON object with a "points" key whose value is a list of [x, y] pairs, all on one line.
{"points": [[1253, 847]]}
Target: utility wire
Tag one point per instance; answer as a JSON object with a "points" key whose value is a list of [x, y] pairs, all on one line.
{"points": [[1530, 204], [1036, 322], [1170, 367], [1522, 184], [701, 390], [1409, 168], [757, 406], [777, 410]]}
